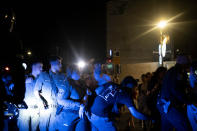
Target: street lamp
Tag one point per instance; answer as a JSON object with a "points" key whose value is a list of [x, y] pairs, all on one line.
{"points": [[162, 24], [163, 40], [81, 64], [29, 53]]}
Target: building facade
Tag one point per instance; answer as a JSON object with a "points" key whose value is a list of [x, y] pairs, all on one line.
{"points": [[131, 30]]}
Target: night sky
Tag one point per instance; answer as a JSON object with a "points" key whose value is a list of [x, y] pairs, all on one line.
{"points": [[73, 31], [78, 29]]}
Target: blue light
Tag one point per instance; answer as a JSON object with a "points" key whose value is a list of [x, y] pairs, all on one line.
{"points": [[75, 75]]}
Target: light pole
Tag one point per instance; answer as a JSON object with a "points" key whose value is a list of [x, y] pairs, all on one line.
{"points": [[163, 40]]}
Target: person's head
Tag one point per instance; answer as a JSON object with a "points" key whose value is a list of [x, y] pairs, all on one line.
{"points": [[160, 72], [55, 63], [128, 82], [148, 76], [36, 68], [143, 78], [6, 79], [73, 73], [97, 68], [90, 82], [13, 73], [183, 61]]}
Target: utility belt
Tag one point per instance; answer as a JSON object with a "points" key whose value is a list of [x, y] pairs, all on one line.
{"points": [[33, 106], [50, 106], [53, 106], [94, 116], [71, 111]]}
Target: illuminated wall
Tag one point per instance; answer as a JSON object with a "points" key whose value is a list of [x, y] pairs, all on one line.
{"points": [[127, 22]]}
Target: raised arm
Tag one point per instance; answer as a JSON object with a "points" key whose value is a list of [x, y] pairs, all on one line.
{"points": [[97, 72], [125, 99], [137, 114]]}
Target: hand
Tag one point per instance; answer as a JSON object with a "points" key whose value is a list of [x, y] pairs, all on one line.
{"points": [[45, 103], [11, 87], [81, 111], [46, 106], [88, 92]]}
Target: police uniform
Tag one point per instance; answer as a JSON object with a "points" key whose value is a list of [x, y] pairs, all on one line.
{"points": [[49, 93], [72, 94], [32, 112], [103, 104]]}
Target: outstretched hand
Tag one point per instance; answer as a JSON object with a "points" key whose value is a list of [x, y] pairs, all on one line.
{"points": [[81, 111]]}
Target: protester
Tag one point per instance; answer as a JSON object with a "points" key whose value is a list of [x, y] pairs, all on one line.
{"points": [[103, 103], [154, 88], [173, 98]]}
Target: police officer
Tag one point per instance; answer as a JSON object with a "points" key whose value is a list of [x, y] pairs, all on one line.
{"points": [[46, 90], [103, 103], [70, 99], [173, 98], [32, 112]]}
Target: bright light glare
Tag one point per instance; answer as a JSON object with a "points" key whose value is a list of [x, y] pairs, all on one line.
{"points": [[29, 53], [162, 24], [156, 26], [81, 64], [7, 68], [24, 65]]}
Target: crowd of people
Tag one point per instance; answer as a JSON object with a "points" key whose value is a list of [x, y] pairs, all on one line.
{"points": [[168, 96], [60, 100]]}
